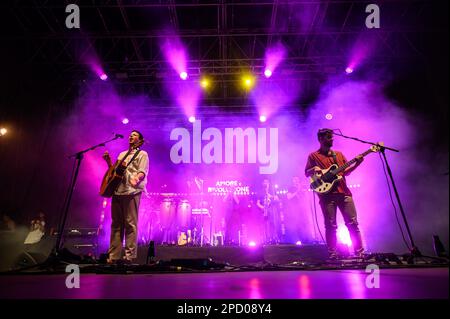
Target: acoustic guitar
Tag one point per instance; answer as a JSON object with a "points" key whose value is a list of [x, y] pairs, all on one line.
{"points": [[112, 179], [114, 175]]}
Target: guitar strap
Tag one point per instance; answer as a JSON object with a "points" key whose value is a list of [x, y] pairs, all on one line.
{"points": [[126, 155], [334, 157], [134, 156]]}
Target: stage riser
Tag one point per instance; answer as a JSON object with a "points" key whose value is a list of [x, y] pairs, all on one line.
{"points": [[16, 254], [276, 254]]}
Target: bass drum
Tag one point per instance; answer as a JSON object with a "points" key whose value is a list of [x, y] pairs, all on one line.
{"points": [[184, 214], [167, 212]]}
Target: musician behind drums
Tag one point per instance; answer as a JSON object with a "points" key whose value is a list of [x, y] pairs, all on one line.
{"points": [[339, 196], [268, 202], [126, 199]]}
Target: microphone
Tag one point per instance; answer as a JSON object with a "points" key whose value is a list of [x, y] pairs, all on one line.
{"points": [[118, 135]]}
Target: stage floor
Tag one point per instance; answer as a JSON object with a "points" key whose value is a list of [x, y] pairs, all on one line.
{"points": [[408, 283]]}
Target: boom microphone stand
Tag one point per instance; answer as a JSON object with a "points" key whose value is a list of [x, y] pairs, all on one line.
{"points": [[57, 253], [414, 250]]}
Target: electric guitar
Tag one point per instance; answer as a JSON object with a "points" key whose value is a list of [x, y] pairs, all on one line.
{"points": [[323, 182]]}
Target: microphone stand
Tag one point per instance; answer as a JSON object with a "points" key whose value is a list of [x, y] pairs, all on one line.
{"points": [[201, 214], [57, 253], [414, 250]]}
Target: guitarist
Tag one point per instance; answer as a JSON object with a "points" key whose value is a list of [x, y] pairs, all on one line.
{"points": [[339, 196], [126, 198]]}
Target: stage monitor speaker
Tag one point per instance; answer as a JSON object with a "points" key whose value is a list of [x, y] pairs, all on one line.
{"points": [[28, 259], [14, 254]]}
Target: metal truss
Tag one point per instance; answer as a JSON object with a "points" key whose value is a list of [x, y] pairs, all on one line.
{"points": [[223, 38]]}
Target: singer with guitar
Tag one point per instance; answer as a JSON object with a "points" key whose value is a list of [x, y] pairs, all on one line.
{"points": [[338, 196], [124, 181]]}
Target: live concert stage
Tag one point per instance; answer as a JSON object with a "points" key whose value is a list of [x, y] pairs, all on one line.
{"points": [[413, 283], [224, 149], [269, 272]]}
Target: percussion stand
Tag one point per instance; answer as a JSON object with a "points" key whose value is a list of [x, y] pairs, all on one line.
{"points": [[201, 215]]}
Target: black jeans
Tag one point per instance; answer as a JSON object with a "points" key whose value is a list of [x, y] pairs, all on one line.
{"points": [[329, 205]]}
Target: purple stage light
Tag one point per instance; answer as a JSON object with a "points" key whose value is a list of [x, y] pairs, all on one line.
{"points": [[192, 119], [103, 77], [183, 75], [175, 54], [252, 243], [363, 48], [125, 121], [274, 56], [262, 118], [298, 243], [329, 116]]}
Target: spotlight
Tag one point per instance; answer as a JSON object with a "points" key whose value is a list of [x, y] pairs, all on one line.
{"points": [[344, 236], [183, 75], [267, 73], [204, 83], [262, 118], [3, 131], [125, 121], [329, 116], [252, 244], [348, 70], [298, 243], [103, 77], [248, 81], [192, 119]]}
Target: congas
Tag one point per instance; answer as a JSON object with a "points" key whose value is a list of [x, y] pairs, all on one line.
{"points": [[184, 214], [167, 212]]}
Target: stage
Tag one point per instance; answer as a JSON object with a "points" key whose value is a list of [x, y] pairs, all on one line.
{"points": [[224, 150], [419, 283], [229, 272]]}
